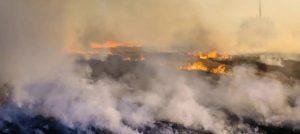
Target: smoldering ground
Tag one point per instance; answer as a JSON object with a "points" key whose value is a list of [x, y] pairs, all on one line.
{"points": [[45, 81]]}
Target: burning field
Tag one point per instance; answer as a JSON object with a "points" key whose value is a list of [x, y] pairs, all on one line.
{"points": [[149, 67], [132, 91]]}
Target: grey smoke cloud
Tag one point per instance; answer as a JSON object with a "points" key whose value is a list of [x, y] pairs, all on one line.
{"points": [[167, 95], [31, 38]]}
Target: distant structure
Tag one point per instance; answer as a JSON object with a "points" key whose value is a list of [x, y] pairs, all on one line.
{"points": [[256, 31], [259, 9]]}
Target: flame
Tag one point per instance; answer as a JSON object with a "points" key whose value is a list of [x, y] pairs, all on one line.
{"points": [[96, 48], [219, 70], [199, 66], [210, 55], [194, 66], [111, 44], [140, 58]]}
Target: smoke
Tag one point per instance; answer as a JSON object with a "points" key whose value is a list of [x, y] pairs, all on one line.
{"points": [[140, 98], [231, 26], [236, 27], [31, 39], [47, 82], [150, 23]]}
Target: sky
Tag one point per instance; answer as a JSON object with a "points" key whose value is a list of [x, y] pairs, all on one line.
{"points": [[203, 24]]}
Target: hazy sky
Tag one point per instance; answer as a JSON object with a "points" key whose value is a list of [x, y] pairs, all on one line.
{"points": [[223, 25], [204, 24]]}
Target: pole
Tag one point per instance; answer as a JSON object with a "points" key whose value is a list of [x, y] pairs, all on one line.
{"points": [[260, 9]]}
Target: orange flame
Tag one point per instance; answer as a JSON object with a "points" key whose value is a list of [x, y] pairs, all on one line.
{"points": [[210, 55], [199, 66], [219, 70], [111, 44], [95, 48], [194, 66], [140, 58]]}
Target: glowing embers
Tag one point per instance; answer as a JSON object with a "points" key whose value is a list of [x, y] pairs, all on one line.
{"points": [[135, 59]]}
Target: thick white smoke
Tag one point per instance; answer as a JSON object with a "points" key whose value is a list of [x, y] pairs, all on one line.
{"points": [[191, 101]]}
